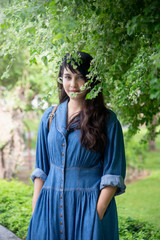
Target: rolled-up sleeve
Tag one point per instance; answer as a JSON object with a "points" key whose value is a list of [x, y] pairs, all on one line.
{"points": [[114, 166], [38, 173], [42, 164]]}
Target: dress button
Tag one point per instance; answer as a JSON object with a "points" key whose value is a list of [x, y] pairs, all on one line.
{"points": [[60, 205], [61, 232], [63, 144], [62, 153], [62, 179], [61, 223], [61, 215], [62, 163], [60, 187], [60, 196]]}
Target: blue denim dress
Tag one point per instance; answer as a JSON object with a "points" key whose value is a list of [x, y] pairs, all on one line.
{"points": [[73, 178]]}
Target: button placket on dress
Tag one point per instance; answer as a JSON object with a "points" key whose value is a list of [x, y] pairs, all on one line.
{"points": [[61, 195], [62, 227], [64, 133]]}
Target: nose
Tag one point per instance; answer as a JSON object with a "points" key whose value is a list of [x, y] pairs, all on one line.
{"points": [[74, 82]]}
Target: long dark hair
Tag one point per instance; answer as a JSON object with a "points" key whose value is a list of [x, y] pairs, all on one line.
{"points": [[92, 118]]}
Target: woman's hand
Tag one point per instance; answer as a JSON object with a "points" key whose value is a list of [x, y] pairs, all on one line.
{"points": [[38, 184], [33, 205], [104, 199], [100, 212]]}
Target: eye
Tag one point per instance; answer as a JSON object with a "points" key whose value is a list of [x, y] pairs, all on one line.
{"points": [[80, 77], [67, 77]]}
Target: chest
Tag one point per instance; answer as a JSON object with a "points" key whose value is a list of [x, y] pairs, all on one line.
{"points": [[71, 115], [66, 147]]}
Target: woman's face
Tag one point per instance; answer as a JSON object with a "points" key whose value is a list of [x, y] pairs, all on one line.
{"points": [[72, 83]]}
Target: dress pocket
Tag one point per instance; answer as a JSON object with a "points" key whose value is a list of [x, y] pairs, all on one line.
{"points": [[98, 216], [108, 209], [106, 212]]}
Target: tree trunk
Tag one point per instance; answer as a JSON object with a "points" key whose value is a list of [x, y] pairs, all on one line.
{"points": [[152, 143]]}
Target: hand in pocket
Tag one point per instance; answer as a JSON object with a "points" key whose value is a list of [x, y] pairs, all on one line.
{"points": [[100, 213]]}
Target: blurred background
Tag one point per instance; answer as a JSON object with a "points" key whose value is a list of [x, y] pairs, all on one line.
{"points": [[123, 38]]}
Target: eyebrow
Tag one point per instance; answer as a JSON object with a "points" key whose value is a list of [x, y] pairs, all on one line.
{"points": [[79, 74]]}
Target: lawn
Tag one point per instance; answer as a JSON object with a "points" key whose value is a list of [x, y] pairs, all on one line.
{"points": [[142, 199]]}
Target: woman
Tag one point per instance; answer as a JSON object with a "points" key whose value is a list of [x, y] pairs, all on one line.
{"points": [[80, 164]]}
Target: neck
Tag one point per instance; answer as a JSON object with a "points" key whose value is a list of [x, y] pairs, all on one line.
{"points": [[75, 105]]}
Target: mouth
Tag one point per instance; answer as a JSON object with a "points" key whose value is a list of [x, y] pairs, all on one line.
{"points": [[74, 91]]}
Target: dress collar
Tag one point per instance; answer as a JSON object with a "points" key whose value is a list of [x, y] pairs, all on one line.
{"points": [[61, 117]]}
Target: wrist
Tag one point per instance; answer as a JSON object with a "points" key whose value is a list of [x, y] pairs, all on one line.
{"points": [[101, 208], [34, 200]]}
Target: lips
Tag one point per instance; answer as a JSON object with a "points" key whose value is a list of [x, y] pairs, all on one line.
{"points": [[74, 91]]}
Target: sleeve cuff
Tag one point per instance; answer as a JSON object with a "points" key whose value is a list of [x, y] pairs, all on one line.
{"points": [[38, 173], [113, 180]]}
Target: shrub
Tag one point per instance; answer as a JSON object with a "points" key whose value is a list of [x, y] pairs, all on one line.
{"points": [[130, 228], [16, 206]]}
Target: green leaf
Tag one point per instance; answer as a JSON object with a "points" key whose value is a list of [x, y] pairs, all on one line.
{"points": [[45, 60], [57, 37]]}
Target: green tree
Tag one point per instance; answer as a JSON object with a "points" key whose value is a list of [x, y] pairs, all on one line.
{"points": [[21, 83], [122, 36]]}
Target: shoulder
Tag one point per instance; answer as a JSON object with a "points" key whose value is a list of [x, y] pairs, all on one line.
{"points": [[112, 123], [111, 118]]}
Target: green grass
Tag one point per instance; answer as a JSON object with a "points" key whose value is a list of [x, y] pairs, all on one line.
{"points": [[142, 200], [152, 161]]}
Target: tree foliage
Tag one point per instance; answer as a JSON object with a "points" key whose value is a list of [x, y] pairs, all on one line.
{"points": [[122, 36], [22, 83]]}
